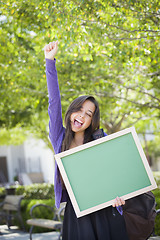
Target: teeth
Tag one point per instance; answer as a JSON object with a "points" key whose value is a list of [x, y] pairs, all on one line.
{"points": [[79, 121]]}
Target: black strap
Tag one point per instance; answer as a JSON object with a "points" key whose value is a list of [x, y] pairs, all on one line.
{"points": [[98, 134]]}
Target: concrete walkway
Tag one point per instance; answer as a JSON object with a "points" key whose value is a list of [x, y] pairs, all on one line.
{"points": [[15, 234]]}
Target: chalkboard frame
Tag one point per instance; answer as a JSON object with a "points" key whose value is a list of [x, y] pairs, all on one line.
{"points": [[60, 158]]}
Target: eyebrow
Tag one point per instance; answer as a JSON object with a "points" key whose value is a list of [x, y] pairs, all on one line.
{"points": [[88, 110]]}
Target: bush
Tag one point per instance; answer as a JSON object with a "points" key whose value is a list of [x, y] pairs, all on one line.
{"points": [[36, 191], [157, 178], [156, 193], [33, 194], [157, 222], [42, 212], [2, 191], [33, 191]]}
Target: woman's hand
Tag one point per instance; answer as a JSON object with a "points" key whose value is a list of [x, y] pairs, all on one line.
{"points": [[50, 50], [118, 202]]}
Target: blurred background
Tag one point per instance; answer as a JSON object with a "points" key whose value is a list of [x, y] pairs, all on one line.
{"points": [[109, 49]]}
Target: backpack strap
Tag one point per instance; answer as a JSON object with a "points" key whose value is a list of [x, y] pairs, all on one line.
{"points": [[98, 134]]}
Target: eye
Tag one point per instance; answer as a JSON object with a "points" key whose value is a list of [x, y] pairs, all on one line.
{"points": [[88, 114]]}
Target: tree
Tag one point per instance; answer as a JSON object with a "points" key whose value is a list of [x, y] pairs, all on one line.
{"points": [[108, 49]]}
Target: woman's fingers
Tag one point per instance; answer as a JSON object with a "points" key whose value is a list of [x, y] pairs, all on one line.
{"points": [[53, 45], [49, 47], [122, 201], [118, 202]]}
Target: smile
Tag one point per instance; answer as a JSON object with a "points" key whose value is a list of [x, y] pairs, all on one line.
{"points": [[78, 123]]}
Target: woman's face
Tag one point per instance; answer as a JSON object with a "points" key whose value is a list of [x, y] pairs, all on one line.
{"points": [[82, 119]]}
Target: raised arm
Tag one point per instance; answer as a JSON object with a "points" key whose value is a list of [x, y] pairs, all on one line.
{"points": [[56, 129]]}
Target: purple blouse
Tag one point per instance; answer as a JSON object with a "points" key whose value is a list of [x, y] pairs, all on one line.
{"points": [[56, 129]]}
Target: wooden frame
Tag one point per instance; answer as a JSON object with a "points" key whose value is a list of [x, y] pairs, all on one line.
{"points": [[97, 172]]}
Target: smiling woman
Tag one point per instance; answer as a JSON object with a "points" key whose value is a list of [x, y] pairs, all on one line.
{"points": [[82, 120]]}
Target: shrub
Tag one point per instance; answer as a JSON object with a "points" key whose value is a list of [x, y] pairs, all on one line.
{"points": [[156, 193], [157, 222], [36, 191], [33, 194], [33, 191], [42, 212], [2, 191], [157, 178]]}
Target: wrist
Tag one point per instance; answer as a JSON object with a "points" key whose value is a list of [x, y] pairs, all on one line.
{"points": [[50, 64], [52, 58]]}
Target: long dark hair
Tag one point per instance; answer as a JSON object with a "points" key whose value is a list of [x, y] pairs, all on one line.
{"points": [[74, 107]]}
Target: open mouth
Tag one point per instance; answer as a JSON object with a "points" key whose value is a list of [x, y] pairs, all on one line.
{"points": [[78, 123]]}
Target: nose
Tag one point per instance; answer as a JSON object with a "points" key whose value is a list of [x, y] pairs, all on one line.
{"points": [[82, 114]]}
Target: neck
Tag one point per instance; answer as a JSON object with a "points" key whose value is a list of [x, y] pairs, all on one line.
{"points": [[79, 138]]}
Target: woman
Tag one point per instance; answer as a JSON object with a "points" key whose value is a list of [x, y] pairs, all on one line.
{"points": [[82, 120]]}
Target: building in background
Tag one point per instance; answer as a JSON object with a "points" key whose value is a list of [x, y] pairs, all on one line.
{"points": [[30, 162]]}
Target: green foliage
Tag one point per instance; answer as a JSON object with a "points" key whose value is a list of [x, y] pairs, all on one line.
{"points": [[6, 136], [106, 48], [34, 194], [156, 193], [2, 191], [157, 178], [157, 222], [42, 212], [36, 191], [154, 147]]}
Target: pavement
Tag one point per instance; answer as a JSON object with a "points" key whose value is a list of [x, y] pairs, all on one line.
{"points": [[15, 234]]}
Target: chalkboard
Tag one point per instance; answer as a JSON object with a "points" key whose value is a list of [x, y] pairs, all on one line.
{"points": [[97, 172]]}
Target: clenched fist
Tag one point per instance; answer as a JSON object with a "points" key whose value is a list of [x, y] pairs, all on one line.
{"points": [[50, 50]]}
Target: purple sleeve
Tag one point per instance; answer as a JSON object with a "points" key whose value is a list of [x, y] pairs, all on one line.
{"points": [[56, 129]]}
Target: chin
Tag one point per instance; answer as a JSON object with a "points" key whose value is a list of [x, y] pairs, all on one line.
{"points": [[77, 130]]}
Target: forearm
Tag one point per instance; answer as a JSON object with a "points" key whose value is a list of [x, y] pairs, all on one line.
{"points": [[52, 80], [54, 109]]}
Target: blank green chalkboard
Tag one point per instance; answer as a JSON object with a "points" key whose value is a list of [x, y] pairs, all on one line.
{"points": [[97, 172]]}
